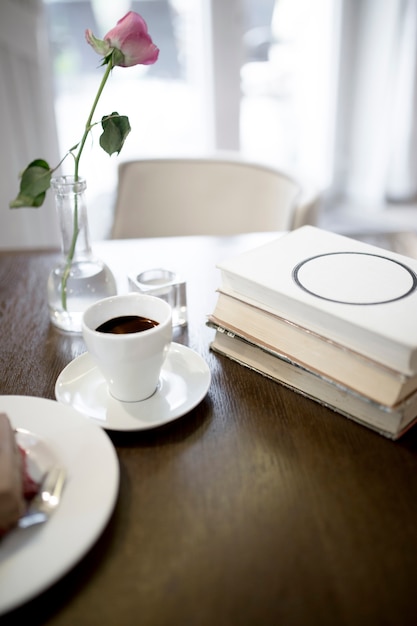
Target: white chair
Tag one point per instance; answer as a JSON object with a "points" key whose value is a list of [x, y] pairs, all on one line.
{"points": [[207, 196]]}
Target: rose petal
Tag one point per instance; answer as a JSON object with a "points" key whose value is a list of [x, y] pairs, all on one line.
{"points": [[131, 37]]}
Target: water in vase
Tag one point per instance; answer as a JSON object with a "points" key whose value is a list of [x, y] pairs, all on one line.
{"points": [[88, 281]]}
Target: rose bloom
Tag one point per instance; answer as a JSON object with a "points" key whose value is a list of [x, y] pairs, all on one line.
{"points": [[131, 38]]}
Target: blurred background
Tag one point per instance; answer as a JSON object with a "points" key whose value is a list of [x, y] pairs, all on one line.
{"points": [[325, 90]]}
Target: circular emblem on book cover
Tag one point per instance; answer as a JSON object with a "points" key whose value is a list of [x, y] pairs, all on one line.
{"points": [[358, 278]]}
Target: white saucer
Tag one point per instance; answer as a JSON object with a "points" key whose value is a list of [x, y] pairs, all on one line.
{"points": [[184, 381]]}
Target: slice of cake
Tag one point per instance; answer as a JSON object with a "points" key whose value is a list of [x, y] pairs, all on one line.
{"points": [[12, 500]]}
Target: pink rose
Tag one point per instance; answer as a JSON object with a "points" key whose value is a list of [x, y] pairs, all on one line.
{"points": [[130, 38]]}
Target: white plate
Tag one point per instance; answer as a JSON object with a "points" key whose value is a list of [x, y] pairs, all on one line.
{"points": [[33, 559], [184, 381]]}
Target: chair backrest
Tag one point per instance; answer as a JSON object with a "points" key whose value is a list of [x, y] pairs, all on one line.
{"points": [[206, 196]]}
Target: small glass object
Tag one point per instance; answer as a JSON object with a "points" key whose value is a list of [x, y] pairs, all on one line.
{"points": [[166, 285]]}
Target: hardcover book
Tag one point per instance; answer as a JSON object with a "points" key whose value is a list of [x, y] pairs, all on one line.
{"points": [[392, 422], [285, 338], [356, 294]]}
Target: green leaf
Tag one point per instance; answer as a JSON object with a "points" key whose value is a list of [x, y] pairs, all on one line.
{"points": [[115, 130], [34, 183]]}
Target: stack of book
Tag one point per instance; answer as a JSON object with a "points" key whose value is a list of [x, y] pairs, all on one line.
{"points": [[333, 318]]}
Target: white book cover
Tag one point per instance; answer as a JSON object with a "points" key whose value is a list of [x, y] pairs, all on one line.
{"points": [[360, 295]]}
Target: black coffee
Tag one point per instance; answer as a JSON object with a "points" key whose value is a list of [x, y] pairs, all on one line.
{"points": [[127, 324]]}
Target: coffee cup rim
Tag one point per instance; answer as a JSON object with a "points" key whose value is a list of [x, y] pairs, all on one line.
{"points": [[90, 327]]}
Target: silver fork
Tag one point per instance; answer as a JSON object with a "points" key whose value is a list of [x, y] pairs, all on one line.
{"points": [[46, 500]]}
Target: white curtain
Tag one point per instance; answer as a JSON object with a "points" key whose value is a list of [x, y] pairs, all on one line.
{"points": [[375, 147], [345, 79], [402, 166], [27, 120]]}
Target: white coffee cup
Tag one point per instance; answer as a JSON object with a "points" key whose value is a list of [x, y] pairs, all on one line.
{"points": [[131, 362]]}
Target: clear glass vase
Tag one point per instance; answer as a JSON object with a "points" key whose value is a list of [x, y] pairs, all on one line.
{"points": [[80, 278]]}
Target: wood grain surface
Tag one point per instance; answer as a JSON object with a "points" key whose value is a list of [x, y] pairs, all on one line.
{"points": [[258, 507]]}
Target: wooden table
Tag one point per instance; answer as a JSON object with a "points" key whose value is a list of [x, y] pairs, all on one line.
{"points": [[259, 507]]}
